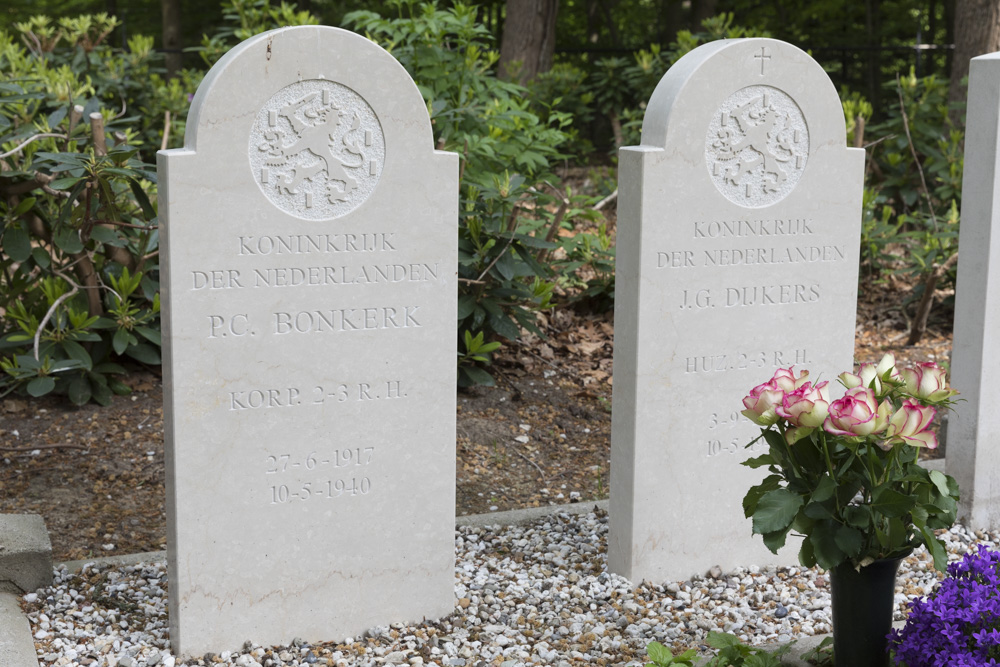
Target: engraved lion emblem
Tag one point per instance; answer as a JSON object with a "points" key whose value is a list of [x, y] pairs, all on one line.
{"points": [[317, 149], [315, 130], [757, 146]]}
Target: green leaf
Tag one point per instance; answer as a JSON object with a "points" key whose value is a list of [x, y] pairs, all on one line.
{"points": [[760, 461], [41, 386], [145, 353], [17, 242], [806, 556], [67, 240], [849, 540], [65, 182], [153, 336], [753, 496], [659, 653], [825, 489], [936, 549], [775, 540], [101, 393], [107, 236], [503, 326], [891, 503], [121, 341], [476, 376], [79, 390], [818, 511], [857, 516], [940, 480], [466, 304], [140, 196], [828, 553], [721, 640], [41, 257], [119, 387], [77, 352], [776, 510]]}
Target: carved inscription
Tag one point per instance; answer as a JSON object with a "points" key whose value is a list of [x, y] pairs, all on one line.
{"points": [[753, 295], [317, 150], [743, 361], [329, 393], [345, 461], [314, 276], [757, 145]]}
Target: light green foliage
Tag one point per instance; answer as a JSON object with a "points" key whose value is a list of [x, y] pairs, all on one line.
{"points": [[78, 238], [911, 222], [242, 19], [661, 656], [730, 652], [619, 88], [506, 151], [857, 113]]}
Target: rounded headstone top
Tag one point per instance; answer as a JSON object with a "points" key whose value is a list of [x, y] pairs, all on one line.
{"points": [[248, 80], [753, 112]]}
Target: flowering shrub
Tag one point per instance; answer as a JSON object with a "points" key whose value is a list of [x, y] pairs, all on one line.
{"points": [[844, 472], [959, 624]]}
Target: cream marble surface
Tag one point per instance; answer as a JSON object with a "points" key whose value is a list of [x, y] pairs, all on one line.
{"points": [[974, 426], [738, 230], [309, 315]]}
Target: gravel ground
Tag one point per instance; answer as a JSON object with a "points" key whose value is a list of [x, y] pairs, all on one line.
{"points": [[524, 595]]}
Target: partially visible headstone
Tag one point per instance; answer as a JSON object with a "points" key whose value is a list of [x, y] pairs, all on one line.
{"points": [[974, 427], [310, 247], [25, 553], [738, 236]]}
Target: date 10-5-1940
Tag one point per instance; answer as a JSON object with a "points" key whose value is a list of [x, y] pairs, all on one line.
{"points": [[329, 489]]}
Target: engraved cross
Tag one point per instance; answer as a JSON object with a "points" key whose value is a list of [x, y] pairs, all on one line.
{"points": [[762, 56]]}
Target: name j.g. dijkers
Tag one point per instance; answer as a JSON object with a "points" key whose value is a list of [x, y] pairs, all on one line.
{"points": [[753, 295]]}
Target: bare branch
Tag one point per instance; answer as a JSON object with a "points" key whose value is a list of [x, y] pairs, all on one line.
{"points": [[166, 130], [916, 160], [27, 141], [15, 450], [97, 129]]}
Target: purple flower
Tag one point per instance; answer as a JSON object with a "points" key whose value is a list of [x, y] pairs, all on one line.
{"points": [[959, 623]]}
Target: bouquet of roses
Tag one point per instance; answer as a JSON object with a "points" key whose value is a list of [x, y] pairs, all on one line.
{"points": [[844, 472]]}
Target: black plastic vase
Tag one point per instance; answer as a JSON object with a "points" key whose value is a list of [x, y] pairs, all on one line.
{"points": [[862, 612]]}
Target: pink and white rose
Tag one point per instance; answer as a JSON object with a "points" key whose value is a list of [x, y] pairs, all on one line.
{"points": [[857, 414], [784, 379], [911, 424], [873, 376], [761, 405], [927, 381]]}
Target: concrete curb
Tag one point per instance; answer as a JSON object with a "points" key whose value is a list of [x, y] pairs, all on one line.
{"points": [[17, 647]]}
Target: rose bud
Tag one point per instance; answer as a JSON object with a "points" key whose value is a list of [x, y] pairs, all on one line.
{"points": [[857, 414]]}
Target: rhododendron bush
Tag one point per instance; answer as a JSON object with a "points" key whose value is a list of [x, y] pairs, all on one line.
{"points": [[844, 472]]}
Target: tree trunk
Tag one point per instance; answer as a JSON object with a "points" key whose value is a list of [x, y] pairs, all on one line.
{"points": [[170, 11], [977, 31], [701, 10], [529, 38]]}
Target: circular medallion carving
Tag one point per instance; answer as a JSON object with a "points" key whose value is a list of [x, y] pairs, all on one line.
{"points": [[757, 146], [317, 150]]}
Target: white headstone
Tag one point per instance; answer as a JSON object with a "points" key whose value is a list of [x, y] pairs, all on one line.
{"points": [[974, 426], [309, 314], [738, 236]]}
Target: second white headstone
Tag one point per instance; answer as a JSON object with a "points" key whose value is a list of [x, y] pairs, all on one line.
{"points": [[738, 237]]}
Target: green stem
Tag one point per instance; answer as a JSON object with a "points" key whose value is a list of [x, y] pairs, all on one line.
{"points": [[788, 448]]}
